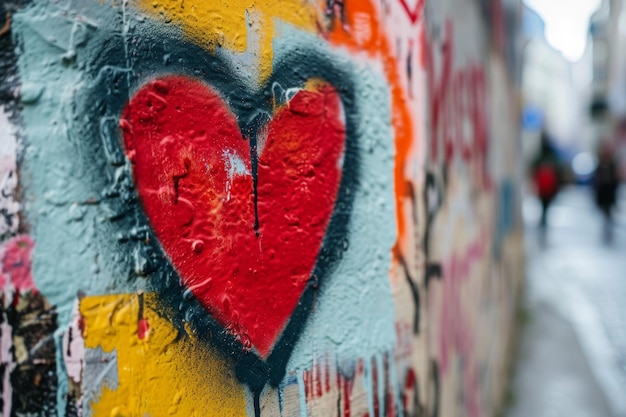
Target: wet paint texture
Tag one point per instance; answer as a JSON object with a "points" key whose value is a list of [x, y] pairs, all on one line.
{"points": [[270, 208], [242, 223], [112, 331], [239, 26]]}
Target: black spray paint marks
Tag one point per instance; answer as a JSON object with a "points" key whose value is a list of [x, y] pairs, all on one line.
{"points": [[434, 388], [258, 123], [114, 83], [432, 201], [414, 292], [257, 403]]}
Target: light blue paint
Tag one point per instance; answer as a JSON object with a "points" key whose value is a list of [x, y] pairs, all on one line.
{"points": [[281, 400], [367, 385], [287, 381], [380, 382], [62, 380], [505, 214], [52, 65], [234, 164], [64, 227], [100, 371], [354, 310], [302, 394], [398, 387]]}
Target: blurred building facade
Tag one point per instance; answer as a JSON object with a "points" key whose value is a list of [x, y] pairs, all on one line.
{"points": [[607, 104], [553, 97], [602, 35]]}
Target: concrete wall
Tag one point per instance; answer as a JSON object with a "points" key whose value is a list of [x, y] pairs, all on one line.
{"points": [[276, 208]]}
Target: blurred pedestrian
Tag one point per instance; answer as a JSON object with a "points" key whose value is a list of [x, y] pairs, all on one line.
{"points": [[546, 175], [605, 183]]}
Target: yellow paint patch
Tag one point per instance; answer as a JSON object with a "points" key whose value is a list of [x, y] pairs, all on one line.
{"points": [[227, 23], [159, 375]]}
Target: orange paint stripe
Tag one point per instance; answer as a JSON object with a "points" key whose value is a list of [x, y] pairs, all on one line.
{"points": [[360, 18]]}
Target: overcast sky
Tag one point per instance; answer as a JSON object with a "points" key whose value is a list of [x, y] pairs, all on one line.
{"points": [[567, 22]]}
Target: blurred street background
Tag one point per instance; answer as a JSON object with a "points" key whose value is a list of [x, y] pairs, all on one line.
{"points": [[572, 346], [572, 355]]}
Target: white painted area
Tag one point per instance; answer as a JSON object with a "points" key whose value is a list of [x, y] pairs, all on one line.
{"points": [[8, 174], [282, 95], [8, 144], [234, 165], [74, 347]]}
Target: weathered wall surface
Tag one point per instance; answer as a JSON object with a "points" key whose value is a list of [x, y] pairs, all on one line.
{"points": [[276, 208]]}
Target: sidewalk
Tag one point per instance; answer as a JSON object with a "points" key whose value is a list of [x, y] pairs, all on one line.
{"points": [[570, 362], [553, 377]]}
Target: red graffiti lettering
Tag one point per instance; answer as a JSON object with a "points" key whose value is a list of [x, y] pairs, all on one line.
{"points": [[458, 109]]}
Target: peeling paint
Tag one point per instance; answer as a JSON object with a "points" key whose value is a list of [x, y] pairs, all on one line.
{"points": [[9, 206], [186, 379]]}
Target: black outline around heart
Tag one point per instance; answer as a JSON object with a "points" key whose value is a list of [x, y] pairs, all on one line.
{"points": [[159, 53]]}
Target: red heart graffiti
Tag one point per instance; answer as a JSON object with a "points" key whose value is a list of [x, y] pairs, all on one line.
{"points": [[192, 168]]}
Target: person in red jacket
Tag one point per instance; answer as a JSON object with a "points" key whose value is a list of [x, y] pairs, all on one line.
{"points": [[546, 175]]}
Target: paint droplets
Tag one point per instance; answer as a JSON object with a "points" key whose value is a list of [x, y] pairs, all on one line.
{"points": [[197, 246], [142, 323], [340, 388], [233, 165], [142, 328]]}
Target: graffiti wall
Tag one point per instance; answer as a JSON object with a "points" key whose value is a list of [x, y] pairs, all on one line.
{"points": [[257, 208]]}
